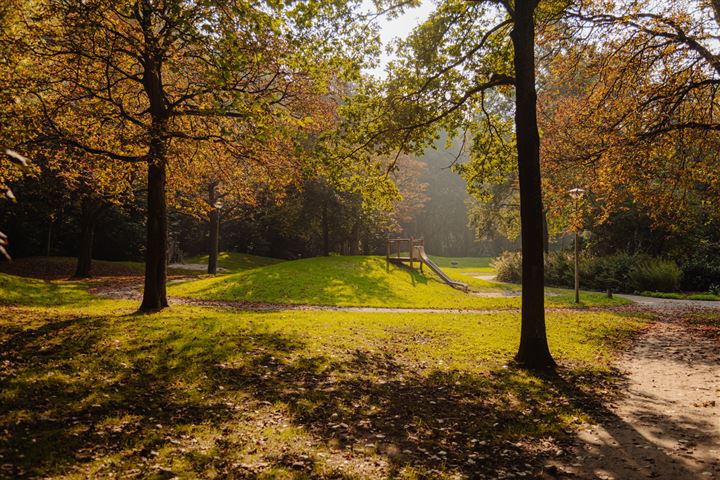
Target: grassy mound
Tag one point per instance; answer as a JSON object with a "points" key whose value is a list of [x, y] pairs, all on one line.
{"points": [[236, 262], [349, 281]]}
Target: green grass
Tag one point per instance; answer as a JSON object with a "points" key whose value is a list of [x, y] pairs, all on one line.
{"points": [[98, 391], [462, 262], [236, 262], [32, 292], [356, 281], [682, 296]]}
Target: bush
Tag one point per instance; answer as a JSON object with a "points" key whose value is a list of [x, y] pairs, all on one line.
{"points": [[508, 267], [611, 271], [560, 269], [701, 273], [656, 275], [621, 272]]}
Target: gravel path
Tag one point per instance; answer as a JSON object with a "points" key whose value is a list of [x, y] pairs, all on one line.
{"points": [[667, 424], [664, 304]]}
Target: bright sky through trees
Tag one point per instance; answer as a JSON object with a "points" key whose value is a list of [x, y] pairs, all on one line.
{"points": [[400, 27]]}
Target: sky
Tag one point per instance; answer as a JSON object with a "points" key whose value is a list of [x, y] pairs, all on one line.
{"points": [[399, 27]]}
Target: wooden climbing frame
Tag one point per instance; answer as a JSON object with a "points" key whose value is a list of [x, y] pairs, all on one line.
{"points": [[404, 250]]}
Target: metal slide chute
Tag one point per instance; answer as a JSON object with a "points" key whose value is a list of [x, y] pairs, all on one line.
{"points": [[438, 271], [411, 250]]}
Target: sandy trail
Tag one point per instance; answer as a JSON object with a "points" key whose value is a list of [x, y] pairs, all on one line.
{"points": [[667, 424]]}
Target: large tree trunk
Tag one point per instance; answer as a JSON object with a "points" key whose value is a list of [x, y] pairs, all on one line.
{"points": [[88, 216], [154, 295], [355, 238], [48, 246], [214, 224], [546, 233], [533, 352]]}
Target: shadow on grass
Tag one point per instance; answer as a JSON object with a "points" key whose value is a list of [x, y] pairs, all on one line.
{"points": [[101, 395]]}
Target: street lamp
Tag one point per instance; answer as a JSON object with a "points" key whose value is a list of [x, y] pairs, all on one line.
{"points": [[576, 194]]}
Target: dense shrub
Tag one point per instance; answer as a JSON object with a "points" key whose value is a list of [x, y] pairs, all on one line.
{"points": [[508, 267], [621, 272], [610, 272], [656, 276], [700, 273], [560, 268]]}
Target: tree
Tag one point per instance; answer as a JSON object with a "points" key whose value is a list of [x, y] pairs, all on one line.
{"points": [[7, 173], [223, 182], [143, 81], [630, 110], [446, 68], [407, 176]]}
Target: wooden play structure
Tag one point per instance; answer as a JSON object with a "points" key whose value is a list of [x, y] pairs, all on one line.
{"points": [[401, 251]]}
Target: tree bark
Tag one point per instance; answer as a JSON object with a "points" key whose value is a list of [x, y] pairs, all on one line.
{"points": [[533, 352], [48, 246], [154, 294], [355, 238], [214, 224], [546, 233], [88, 216]]}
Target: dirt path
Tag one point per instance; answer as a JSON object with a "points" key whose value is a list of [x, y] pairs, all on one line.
{"points": [[667, 424]]}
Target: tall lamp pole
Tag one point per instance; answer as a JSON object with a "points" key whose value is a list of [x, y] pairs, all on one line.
{"points": [[577, 194]]}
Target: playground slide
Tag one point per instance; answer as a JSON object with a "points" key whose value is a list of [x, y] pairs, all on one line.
{"points": [[423, 256]]}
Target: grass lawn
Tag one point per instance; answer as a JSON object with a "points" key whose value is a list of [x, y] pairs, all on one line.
{"points": [[33, 292], [358, 281], [91, 389], [470, 266], [683, 296], [236, 262]]}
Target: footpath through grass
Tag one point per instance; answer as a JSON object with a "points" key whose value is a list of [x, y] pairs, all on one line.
{"points": [[360, 281], [93, 389]]}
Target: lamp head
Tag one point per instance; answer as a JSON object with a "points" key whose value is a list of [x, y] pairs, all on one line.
{"points": [[576, 193]]}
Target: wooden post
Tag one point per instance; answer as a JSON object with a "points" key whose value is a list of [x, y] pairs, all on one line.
{"points": [[387, 254], [399, 245], [411, 252]]}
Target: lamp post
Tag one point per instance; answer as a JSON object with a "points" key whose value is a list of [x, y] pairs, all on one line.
{"points": [[576, 194], [214, 237]]}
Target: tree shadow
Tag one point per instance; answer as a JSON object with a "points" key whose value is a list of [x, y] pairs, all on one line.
{"points": [[612, 447], [94, 395]]}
